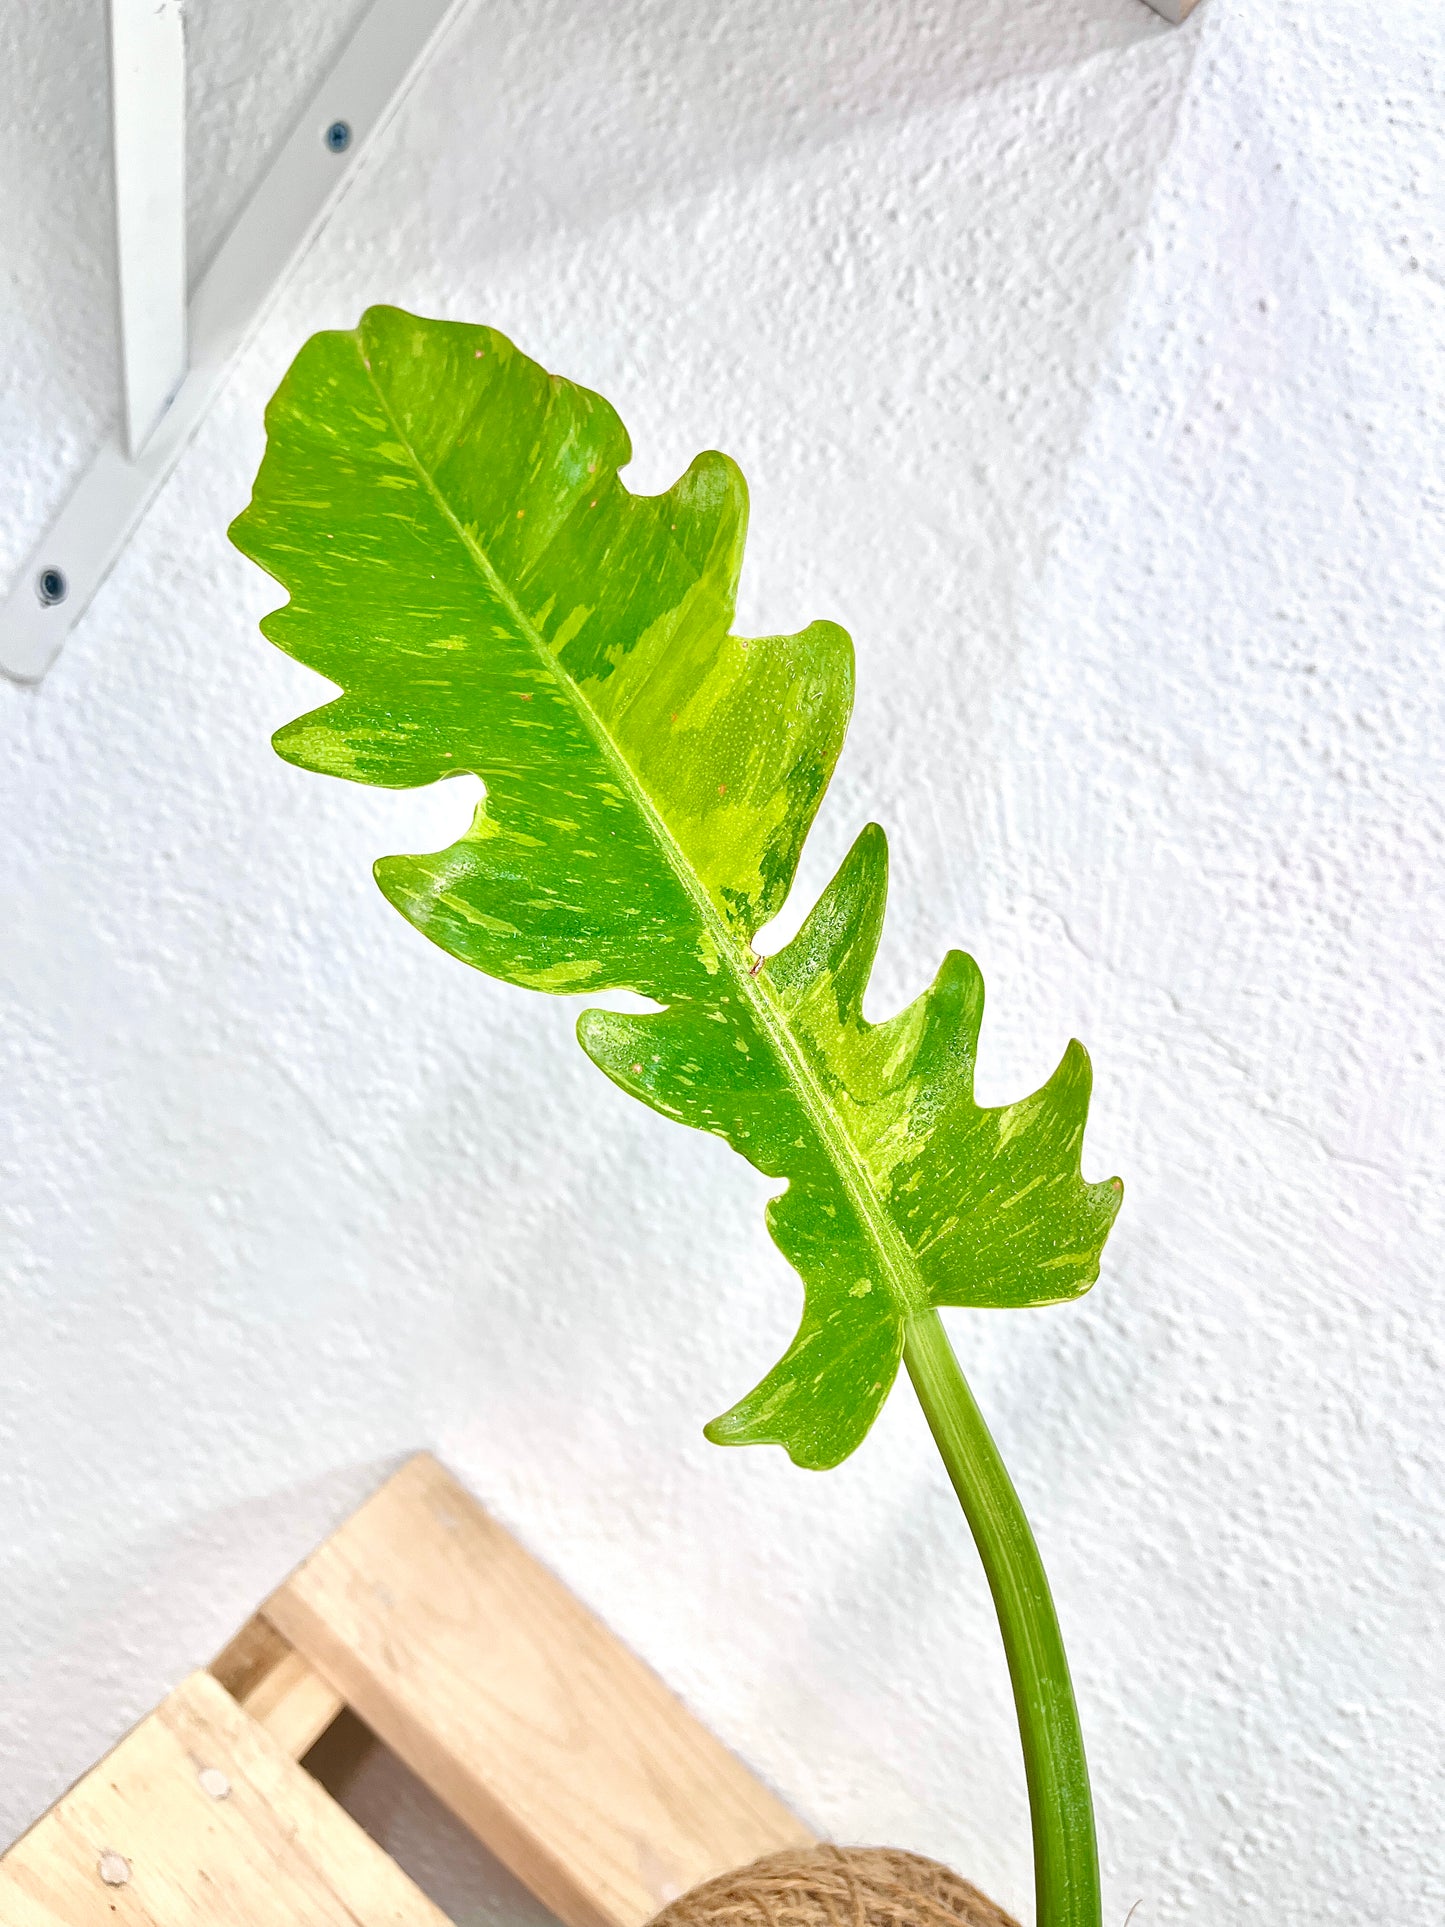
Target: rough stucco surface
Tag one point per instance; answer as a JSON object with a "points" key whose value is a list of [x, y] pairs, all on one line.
{"points": [[1089, 371]]}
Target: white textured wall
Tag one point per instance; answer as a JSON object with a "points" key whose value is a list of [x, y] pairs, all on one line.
{"points": [[1090, 371]]}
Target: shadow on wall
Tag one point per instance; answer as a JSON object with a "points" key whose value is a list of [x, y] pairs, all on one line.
{"points": [[614, 105], [877, 252]]}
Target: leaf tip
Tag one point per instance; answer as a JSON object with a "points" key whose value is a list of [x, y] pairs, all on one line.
{"points": [[732, 1429]]}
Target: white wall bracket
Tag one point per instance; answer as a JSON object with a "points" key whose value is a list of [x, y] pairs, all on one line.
{"points": [[148, 114], [1174, 11], [63, 572]]}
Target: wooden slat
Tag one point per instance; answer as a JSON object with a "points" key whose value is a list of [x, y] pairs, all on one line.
{"points": [[518, 1708], [266, 1674], [207, 1823]]}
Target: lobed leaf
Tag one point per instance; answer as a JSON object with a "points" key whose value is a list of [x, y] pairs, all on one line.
{"points": [[465, 563]]}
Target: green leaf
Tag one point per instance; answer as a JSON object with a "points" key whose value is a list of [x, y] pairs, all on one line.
{"points": [[464, 562]]}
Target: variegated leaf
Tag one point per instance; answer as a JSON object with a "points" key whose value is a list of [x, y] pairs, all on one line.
{"points": [[464, 561]]}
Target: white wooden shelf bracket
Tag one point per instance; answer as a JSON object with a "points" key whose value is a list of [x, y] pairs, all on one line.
{"points": [[174, 356]]}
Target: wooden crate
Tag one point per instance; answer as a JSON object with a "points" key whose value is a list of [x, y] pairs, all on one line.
{"points": [[556, 1746]]}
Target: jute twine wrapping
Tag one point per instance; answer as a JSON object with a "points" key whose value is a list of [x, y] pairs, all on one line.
{"points": [[836, 1887]]}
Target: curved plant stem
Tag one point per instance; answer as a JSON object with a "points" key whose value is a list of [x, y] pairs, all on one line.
{"points": [[1066, 1858]]}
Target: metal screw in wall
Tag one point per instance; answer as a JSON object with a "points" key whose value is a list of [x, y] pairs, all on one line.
{"points": [[338, 136], [51, 587]]}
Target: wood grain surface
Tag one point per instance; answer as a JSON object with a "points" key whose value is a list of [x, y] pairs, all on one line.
{"points": [[520, 1710], [200, 1819]]}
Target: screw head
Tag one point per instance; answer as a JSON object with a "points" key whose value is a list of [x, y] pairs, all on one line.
{"points": [[52, 587], [338, 136]]}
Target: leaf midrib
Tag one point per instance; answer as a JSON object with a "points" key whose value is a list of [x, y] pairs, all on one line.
{"points": [[899, 1266]]}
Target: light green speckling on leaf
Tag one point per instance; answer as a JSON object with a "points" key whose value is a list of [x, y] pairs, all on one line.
{"points": [[465, 563]]}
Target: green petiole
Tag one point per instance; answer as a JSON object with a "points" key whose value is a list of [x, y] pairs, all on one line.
{"points": [[1066, 1857]]}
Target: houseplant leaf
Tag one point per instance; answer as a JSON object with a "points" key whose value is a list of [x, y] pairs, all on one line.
{"points": [[465, 563]]}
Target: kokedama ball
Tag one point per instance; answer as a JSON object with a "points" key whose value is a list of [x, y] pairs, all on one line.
{"points": [[836, 1887]]}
